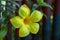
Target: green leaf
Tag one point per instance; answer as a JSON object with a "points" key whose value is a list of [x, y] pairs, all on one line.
{"points": [[4, 14], [1, 9], [1, 20], [44, 4], [1, 39], [12, 8], [15, 3], [34, 7], [1, 5], [3, 32]]}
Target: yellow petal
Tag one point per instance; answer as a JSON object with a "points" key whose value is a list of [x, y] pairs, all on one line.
{"points": [[16, 22], [36, 16], [24, 11], [23, 31], [34, 28]]}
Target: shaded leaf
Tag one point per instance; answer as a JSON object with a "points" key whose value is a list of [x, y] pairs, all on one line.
{"points": [[34, 7], [11, 8], [3, 32], [1, 9], [1, 20], [44, 4], [1, 5], [15, 3]]}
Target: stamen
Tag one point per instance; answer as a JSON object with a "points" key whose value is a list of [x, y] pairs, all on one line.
{"points": [[27, 20]]}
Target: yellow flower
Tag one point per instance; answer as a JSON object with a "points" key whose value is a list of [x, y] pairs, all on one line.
{"points": [[25, 22]]}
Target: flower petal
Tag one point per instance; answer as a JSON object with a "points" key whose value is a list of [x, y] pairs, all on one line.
{"points": [[24, 11], [36, 16], [16, 22], [34, 28], [23, 31]]}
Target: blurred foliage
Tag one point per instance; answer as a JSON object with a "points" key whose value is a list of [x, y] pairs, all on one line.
{"points": [[5, 11]]}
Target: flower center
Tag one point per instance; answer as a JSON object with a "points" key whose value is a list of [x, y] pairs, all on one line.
{"points": [[27, 20]]}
